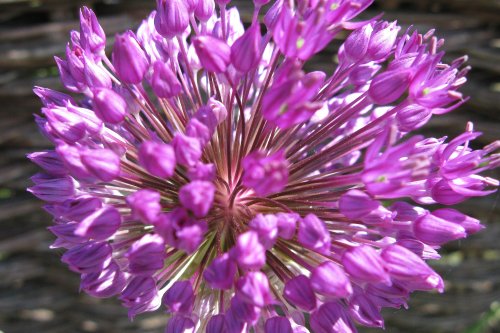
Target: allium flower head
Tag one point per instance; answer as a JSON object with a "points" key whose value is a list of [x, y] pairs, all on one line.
{"points": [[203, 170]]}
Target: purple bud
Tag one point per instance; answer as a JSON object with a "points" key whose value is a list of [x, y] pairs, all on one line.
{"points": [[77, 209], [109, 106], [266, 227], [218, 109], [66, 125], [89, 257], [190, 237], [217, 324], [145, 205], [180, 324], [187, 150], [96, 76], [51, 97], [314, 235], [433, 230], [197, 129], [66, 77], [287, 224], [220, 273], [422, 250], [129, 59], [50, 162], [109, 282], [355, 204], [246, 50], [101, 224], [299, 292], [204, 10], [356, 45], [470, 224], [331, 317], [412, 117], [65, 233], [140, 295], [92, 35], [208, 116], [382, 40], [197, 196], [243, 311], [157, 158], [102, 163], [191, 5], [180, 297], [365, 312], [278, 325], [202, 171], [265, 174], [52, 189], [253, 288], [172, 17], [146, 255], [364, 263], [330, 280], [214, 53], [164, 82], [403, 264], [248, 252], [389, 86]]}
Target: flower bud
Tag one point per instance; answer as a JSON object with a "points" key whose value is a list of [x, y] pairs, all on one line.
{"points": [[146, 255], [197, 129], [52, 189], [266, 227], [187, 150], [433, 230], [265, 174], [109, 282], [365, 312], [248, 252], [178, 324], [140, 295], [246, 50], [298, 291], [382, 40], [331, 317], [66, 77], [157, 158], [356, 45], [220, 273], [214, 53], [313, 234], [172, 17], [197, 196], [180, 297], [109, 106], [104, 164], [129, 59], [50, 162], [278, 324], [89, 257], [92, 36], [96, 76], [330, 280], [253, 288], [217, 324], [204, 10], [164, 82], [242, 312], [389, 86], [145, 205], [470, 224], [100, 225], [287, 224], [364, 263], [412, 117]]}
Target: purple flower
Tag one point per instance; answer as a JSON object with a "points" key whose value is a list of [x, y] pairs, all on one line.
{"points": [[205, 169], [157, 158], [265, 174]]}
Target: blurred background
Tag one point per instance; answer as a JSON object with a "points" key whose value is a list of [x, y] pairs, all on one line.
{"points": [[39, 294]]}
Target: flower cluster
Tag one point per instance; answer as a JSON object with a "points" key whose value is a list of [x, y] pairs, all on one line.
{"points": [[204, 171]]}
